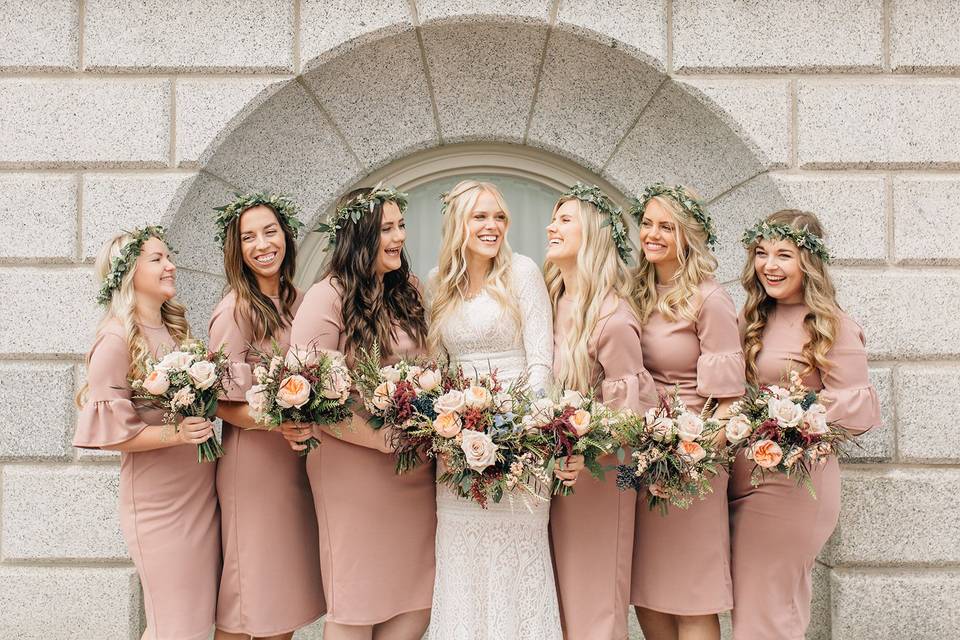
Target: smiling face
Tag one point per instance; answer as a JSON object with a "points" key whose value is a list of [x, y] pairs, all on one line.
{"points": [[486, 227], [659, 238], [262, 242], [155, 276], [393, 233], [777, 265], [565, 234]]}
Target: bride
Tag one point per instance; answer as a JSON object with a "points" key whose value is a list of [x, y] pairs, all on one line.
{"points": [[490, 311]]}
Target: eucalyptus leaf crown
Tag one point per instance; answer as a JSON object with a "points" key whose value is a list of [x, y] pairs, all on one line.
{"points": [[282, 205], [690, 205], [613, 213], [129, 252], [804, 239], [359, 206]]}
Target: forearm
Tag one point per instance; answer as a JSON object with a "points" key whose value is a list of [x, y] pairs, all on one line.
{"points": [[356, 430], [151, 438], [237, 414]]}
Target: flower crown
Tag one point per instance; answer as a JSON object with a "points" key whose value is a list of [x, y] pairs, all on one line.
{"points": [[605, 205], [804, 239], [121, 265], [357, 207], [282, 205], [690, 205]]}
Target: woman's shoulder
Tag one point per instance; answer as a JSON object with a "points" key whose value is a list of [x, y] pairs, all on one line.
{"points": [[523, 265]]}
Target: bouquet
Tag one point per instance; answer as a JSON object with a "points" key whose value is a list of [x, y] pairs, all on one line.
{"points": [[783, 430], [394, 396], [673, 454], [186, 383], [306, 385]]}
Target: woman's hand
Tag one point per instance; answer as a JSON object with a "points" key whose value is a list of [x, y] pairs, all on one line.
{"points": [[296, 433], [194, 430], [568, 469]]}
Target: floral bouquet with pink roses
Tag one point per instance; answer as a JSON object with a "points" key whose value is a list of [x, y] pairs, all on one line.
{"points": [[186, 383], [307, 385], [783, 430], [674, 455]]}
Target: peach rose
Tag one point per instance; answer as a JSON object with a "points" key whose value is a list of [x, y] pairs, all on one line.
{"points": [[337, 384], [182, 399], [428, 379], [156, 382], [477, 397], [580, 421], [203, 374], [452, 400], [691, 451], [738, 427], [571, 398], [766, 453], [447, 425], [689, 426], [815, 420], [294, 392], [785, 411], [383, 395], [479, 449]]}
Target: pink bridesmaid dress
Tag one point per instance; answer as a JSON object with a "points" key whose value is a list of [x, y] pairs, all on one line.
{"points": [[168, 501], [592, 530], [271, 568], [681, 561], [778, 528], [376, 527]]}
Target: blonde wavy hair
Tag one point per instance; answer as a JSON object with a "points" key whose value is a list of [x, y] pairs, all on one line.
{"points": [[821, 323], [123, 307], [449, 286], [697, 263], [600, 273]]}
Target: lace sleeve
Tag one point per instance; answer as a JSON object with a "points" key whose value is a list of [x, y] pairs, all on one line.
{"points": [[537, 317]]}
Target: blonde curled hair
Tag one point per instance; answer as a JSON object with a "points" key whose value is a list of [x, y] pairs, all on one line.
{"points": [[123, 308], [697, 263], [600, 274], [449, 285], [822, 322]]}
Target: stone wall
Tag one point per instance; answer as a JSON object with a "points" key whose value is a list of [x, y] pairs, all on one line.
{"points": [[114, 113]]}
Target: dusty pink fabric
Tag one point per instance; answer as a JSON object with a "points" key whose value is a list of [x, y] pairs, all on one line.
{"points": [[376, 528], [271, 565], [168, 502], [592, 530], [778, 528], [703, 359]]}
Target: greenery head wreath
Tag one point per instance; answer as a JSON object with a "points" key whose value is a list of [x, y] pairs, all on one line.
{"points": [[282, 205], [613, 213], [359, 206], [804, 239], [121, 265], [691, 206]]}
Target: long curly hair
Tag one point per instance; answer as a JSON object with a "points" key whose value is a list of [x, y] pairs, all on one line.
{"points": [[252, 303], [373, 307], [122, 308], [822, 321]]}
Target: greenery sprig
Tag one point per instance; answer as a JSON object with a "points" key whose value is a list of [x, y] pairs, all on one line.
{"points": [[121, 265], [690, 205], [613, 213], [284, 207], [360, 206], [804, 239]]}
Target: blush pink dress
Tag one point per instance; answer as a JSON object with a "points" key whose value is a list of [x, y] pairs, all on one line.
{"points": [[271, 567], [681, 561], [592, 530], [376, 527], [168, 501], [778, 528]]}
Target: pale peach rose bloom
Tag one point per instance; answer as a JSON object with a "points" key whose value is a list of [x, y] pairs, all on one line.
{"points": [[691, 451], [175, 360], [660, 427], [203, 374], [580, 421], [689, 426], [156, 382], [182, 398], [477, 397], [428, 379], [294, 392], [447, 425], [738, 427], [479, 449], [779, 392], [337, 385], [383, 395], [452, 400], [785, 411], [766, 453], [815, 420]]}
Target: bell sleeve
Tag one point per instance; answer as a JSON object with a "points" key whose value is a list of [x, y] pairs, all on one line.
{"points": [[720, 367], [850, 399], [625, 382]]}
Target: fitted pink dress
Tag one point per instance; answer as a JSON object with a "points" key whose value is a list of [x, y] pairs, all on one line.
{"points": [[681, 561], [592, 530], [376, 527], [271, 567], [778, 528], [168, 501]]}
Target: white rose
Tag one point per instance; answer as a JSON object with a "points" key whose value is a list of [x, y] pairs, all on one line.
{"points": [[785, 411], [572, 398], [689, 426], [297, 358], [428, 379], [779, 392], [815, 420], [660, 427], [383, 395], [503, 403], [203, 374], [175, 360], [479, 449], [477, 397], [541, 411], [156, 382], [738, 427], [390, 374], [337, 385], [451, 401], [256, 398]]}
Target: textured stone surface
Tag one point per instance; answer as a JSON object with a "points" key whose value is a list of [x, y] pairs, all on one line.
{"points": [[483, 78], [355, 89], [920, 605], [40, 603], [192, 230], [927, 219], [47, 310], [677, 139], [895, 517], [588, 117], [85, 122], [923, 35], [757, 109], [877, 445], [208, 35], [819, 628], [208, 110], [639, 24], [45, 508], [121, 201], [35, 409], [38, 215], [430, 10], [777, 35], [39, 35], [894, 124], [200, 292], [327, 28], [926, 409]]}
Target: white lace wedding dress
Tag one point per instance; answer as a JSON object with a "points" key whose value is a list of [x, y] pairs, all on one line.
{"points": [[494, 577]]}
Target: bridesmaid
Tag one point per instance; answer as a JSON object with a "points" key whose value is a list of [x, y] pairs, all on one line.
{"points": [[271, 568], [791, 320], [168, 503], [596, 343], [376, 528], [690, 341]]}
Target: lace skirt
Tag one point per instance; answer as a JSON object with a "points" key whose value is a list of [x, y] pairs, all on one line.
{"points": [[494, 576]]}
